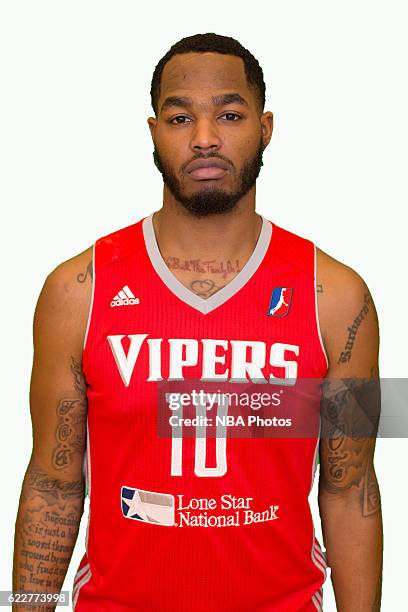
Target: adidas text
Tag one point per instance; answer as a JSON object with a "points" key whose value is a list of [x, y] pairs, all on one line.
{"points": [[125, 302]]}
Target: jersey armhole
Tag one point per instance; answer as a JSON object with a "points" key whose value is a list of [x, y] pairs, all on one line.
{"points": [[319, 333], [92, 298]]}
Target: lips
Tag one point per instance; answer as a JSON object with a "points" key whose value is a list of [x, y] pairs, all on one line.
{"points": [[202, 169]]}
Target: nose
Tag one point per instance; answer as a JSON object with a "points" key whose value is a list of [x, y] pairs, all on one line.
{"points": [[205, 137]]}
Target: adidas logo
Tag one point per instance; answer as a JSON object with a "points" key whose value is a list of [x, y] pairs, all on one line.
{"points": [[125, 297]]}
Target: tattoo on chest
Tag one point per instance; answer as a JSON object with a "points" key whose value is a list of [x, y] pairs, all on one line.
{"points": [[205, 288], [204, 266]]}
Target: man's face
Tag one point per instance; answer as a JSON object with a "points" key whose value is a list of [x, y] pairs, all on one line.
{"points": [[199, 123]]}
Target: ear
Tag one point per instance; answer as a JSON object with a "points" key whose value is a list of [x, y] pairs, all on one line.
{"points": [[267, 127], [152, 122]]}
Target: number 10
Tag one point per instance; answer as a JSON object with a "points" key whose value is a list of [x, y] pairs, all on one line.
{"points": [[200, 468]]}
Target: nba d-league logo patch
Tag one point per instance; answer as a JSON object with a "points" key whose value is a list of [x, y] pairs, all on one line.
{"points": [[280, 301]]}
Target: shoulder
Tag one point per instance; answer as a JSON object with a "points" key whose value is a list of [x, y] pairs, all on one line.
{"points": [[338, 283], [71, 279], [347, 313], [119, 244], [65, 298]]}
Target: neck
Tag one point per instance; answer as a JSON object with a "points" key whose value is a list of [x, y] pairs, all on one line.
{"points": [[217, 237]]}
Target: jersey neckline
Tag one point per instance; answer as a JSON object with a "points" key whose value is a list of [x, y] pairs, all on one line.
{"points": [[222, 295]]}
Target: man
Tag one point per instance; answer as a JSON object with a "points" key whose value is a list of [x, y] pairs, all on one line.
{"points": [[202, 291]]}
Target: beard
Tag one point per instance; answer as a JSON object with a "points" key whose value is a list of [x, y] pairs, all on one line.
{"points": [[212, 200]]}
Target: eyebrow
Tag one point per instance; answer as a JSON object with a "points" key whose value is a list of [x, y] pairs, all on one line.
{"points": [[221, 100]]}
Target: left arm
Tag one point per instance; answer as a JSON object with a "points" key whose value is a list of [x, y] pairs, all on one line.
{"points": [[349, 496]]}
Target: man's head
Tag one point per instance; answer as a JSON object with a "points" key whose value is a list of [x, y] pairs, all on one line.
{"points": [[208, 95]]}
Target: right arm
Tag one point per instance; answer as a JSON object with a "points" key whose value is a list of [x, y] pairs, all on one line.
{"points": [[53, 490]]}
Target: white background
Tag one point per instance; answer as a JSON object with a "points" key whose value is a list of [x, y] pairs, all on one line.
{"points": [[76, 163]]}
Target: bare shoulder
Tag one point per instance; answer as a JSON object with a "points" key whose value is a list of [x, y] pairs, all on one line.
{"points": [[347, 314], [73, 274], [337, 280], [65, 299]]}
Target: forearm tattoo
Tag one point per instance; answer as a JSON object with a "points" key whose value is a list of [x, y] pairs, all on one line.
{"points": [[46, 530], [50, 507], [71, 423], [350, 412]]}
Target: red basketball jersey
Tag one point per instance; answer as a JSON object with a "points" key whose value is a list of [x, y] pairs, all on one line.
{"points": [[179, 520]]}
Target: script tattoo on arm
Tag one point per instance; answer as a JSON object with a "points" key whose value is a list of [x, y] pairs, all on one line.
{"points": [[71, 422], [46, 530], [82, 276], [51, 506], [352, 329], [350, 417]]}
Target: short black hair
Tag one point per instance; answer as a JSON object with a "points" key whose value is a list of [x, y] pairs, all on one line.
{"points": [[215, 43]]}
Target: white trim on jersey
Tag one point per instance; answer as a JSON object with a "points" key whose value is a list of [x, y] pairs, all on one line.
{"points": [[80, 573], [317, 599], [206, 305], [78, 586], [88, 480], [317, 555], [316, 307], [92, 297]]}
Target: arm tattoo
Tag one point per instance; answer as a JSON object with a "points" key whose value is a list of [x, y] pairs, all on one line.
{"points": [[46, 530], [79, 378], [371, 494], [47, 526], [350, 416], [319, 288], [71, 425], [53, 491], [352, 330], [82, 276], [69, 433], [51, 506]]}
